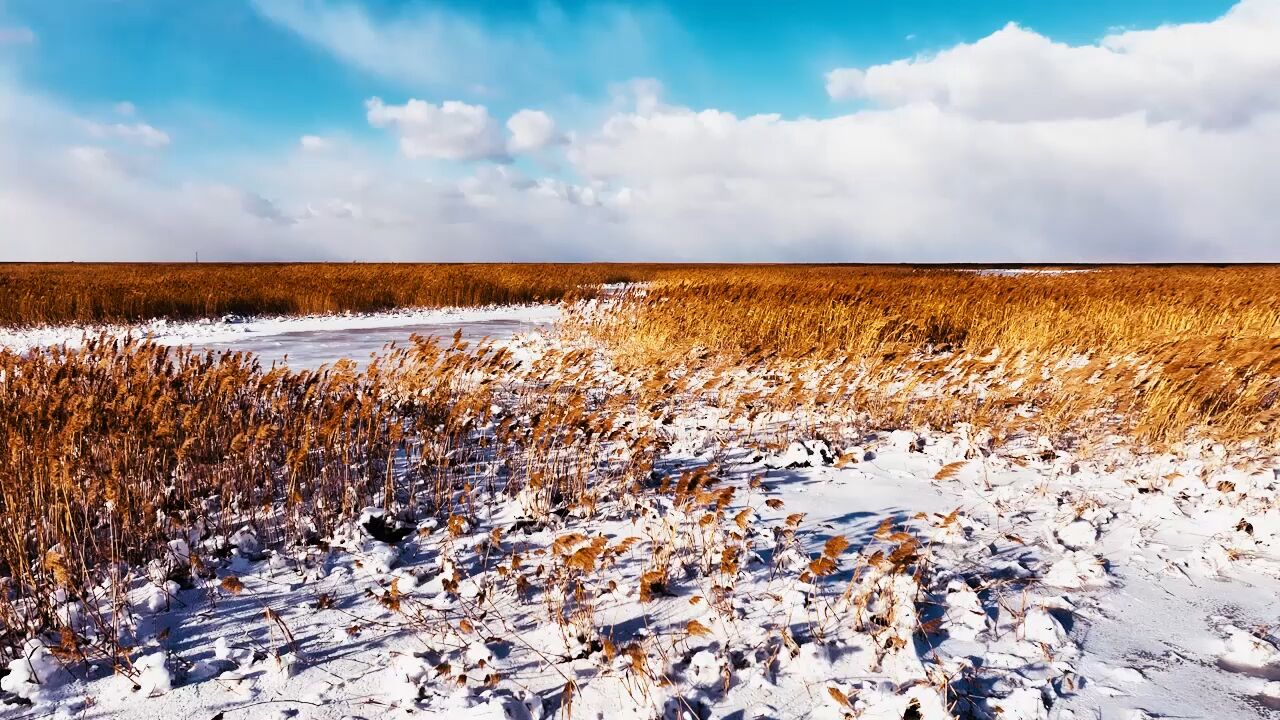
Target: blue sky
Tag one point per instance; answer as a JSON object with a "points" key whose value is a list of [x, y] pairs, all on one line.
{"points": [[183, 61], [186, 94]]}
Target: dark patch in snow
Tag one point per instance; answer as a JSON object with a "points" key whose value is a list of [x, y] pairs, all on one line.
{"points": [[387, 532]]}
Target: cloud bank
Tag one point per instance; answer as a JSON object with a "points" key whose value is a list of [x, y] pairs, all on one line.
{"points": [[1215, 74], [1151, 145]]}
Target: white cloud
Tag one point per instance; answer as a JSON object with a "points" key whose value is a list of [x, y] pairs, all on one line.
{"points": [[125, 108], [1215, 73], [314, 142], [17, 36], [63, 201], [643, 94], [531, 130], [140, 133], [87, 204], [431, 47], [919, 183], [452, 130], [1141, 163]]}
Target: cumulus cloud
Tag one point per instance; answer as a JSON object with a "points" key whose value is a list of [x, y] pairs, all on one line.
{"points": [[452, 130], [921, 183], [1213, 73], [531, 130], [78, 201]]}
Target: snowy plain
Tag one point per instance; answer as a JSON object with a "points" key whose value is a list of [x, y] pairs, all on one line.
{"points": [[1057, 588]]}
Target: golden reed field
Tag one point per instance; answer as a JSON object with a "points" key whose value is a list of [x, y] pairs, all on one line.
{"points": [[107, 450], [33, 293], [1152, 351]]}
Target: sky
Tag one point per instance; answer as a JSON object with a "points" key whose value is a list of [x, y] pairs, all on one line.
{"points": [[823, 131]]}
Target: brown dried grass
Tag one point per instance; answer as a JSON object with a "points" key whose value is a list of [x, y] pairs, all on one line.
{"points": [[111, 450], [48, 293], [1159, 353]]}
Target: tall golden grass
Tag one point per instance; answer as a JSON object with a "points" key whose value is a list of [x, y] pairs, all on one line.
{"points": [[794, 310], [1156, 352], [39, 293], [112, 450]]}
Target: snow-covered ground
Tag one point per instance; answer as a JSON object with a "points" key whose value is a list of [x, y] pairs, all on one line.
{"points": [[1015, 272], [1013, 583], [307, 341]]}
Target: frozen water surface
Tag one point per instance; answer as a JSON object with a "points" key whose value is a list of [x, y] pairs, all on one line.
{"points": [[321, 346], [308, 342]]}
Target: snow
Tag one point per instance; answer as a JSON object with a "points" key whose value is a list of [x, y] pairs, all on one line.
{"points": [[1016, 272], [1078, 535], [1248, 652], [34, 673], [1058, 642], [154, 677], [1117, 585], [306, 341]]}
